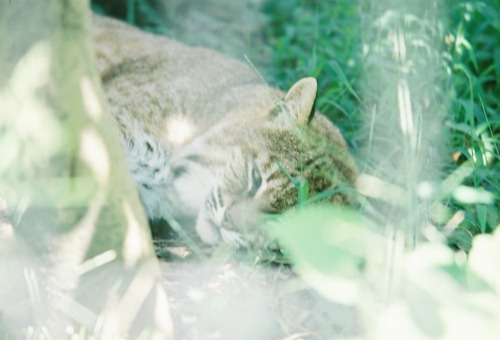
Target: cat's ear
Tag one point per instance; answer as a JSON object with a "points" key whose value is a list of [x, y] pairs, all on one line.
{"points": [[300, 99]]}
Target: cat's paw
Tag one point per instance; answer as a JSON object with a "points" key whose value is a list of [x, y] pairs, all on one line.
{"points": [[213, 225]]}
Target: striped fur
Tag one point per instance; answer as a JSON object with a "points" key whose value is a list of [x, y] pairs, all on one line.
{"points": [[206, 141]]}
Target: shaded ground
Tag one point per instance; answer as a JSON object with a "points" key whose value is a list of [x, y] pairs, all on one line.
{"points": [[222, 293], [229, 300]]}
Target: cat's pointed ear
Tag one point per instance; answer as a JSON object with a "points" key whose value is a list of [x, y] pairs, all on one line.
{"points": [[300, 99]]}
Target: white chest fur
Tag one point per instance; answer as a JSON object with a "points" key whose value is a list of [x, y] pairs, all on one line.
{"points": [[171, 184]]}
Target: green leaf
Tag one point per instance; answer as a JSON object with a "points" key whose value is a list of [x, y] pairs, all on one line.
{"points": [[303, 189], [329, 247], [482, 213], [302, 185]]}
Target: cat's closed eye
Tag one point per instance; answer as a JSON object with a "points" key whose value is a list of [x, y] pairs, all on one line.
{"points": [[254, 180], [180, 170]]}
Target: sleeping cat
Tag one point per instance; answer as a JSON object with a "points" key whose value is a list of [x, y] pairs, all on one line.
{"points": [[208, 143]]}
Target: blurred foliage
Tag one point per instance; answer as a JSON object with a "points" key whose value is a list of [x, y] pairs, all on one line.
{"points": [[21, 139], [444, 296], [438, 293], [330, 247]]}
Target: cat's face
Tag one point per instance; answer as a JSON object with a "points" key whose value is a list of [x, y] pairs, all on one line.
{"points": [[239, 171]]}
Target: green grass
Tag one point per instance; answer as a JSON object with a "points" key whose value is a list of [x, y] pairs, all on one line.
{"points": [[453, 63], [447, 167], [320, 39], [473, 61]]}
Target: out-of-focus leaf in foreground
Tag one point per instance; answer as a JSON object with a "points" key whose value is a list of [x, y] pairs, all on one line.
{"points": [[330, 248]]}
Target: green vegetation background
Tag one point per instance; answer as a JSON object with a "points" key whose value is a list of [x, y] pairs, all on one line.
{"points": [[336, 42]]}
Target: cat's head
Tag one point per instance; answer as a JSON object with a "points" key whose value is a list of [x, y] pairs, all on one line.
{"points": [[244, 169]]}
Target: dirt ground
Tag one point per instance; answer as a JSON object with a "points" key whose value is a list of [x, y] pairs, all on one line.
{"points": [[230, 300]]}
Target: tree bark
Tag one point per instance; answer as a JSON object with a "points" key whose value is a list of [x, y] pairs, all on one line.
{"points": [[76, 255]]}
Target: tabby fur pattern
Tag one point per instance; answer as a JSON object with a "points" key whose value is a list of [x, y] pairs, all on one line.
{"points": [[208, 143]]}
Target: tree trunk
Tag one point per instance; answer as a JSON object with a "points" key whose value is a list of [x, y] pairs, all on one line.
{"points": [[76, 255]]}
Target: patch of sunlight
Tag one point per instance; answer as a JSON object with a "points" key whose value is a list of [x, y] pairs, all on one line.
{"points": [[137, 244], [32, 71], [457, 218], [421, 268], [108, 325], [439, 212], [375, 187], [469, 195], [395, 322], [490, 148], [33, 290], [466, 322], [461, 42], [453, 180], [399, 45], [38, 332], [97, 261], [432, 234], [339, 289], [484, 258], [28, 123], [426, 190], [9, 146], [6, 231], [61, 192], [162, 315], [196, 295], [179, 129], [483, 157], [405, 110], [118, 317], [445, 295], [77, 311], [69, 330], [90, 99], [94, 152]]}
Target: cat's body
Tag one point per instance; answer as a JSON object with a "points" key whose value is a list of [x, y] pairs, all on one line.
{"points": [[205, 138]]}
